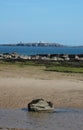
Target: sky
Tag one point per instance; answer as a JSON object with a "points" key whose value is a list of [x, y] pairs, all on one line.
{"points": [[59, 21]]}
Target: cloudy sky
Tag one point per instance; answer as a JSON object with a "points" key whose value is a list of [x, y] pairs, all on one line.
{"points": [[41, 20]]}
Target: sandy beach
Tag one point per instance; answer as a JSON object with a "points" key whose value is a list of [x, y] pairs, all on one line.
{"points": [[19, 85], [17, 92]]}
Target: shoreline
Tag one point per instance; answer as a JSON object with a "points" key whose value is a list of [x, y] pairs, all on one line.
{"points": [[14, 56]]}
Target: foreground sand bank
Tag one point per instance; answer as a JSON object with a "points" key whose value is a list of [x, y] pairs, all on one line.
{"points": [[17, 92], [19, 85]]}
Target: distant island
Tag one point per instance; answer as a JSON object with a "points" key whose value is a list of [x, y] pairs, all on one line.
{"points": [[35, 44], [39, 44]]}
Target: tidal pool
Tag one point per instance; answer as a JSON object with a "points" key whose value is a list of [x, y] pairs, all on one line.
{"points": [[60, 119]]}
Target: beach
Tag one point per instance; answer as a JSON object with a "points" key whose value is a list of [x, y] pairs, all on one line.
{"points": [[18, 92], [20, 85]]}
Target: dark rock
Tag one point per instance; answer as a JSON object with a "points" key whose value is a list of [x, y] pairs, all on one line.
{"points": [[38, 105]]}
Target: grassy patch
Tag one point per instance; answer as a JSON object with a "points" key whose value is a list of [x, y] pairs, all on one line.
{"points": [[68, 67], [20, 64], [65, 69]]}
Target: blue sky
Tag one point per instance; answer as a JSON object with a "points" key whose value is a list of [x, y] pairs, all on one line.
{"points": [[58, 21]]}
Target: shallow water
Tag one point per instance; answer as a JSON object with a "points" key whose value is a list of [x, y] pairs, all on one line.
{"points": [[60, 119]]}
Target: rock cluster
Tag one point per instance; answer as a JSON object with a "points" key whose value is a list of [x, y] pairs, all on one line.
{"points": [[54, 57], [39, 105]]}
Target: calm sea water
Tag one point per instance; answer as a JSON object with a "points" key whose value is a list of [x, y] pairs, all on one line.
{"points": [[25, 50], [61, 119]]}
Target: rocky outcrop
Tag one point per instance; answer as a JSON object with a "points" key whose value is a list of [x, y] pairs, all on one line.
{"points": [[39, 105]]}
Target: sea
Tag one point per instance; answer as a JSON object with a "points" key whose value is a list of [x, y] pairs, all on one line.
{"points": [[26, 50]]}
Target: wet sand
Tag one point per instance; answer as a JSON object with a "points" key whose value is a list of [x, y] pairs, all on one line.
{"points": [[18, 92], [19, 85]]}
